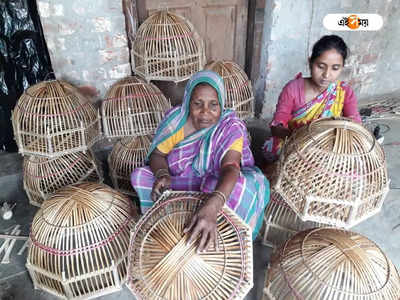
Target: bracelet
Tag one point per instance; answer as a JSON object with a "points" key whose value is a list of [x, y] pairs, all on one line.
{"points": [[161, 173], [220, 194]]}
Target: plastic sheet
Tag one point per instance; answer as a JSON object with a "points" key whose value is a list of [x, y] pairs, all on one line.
{"points": [[24, 59]]}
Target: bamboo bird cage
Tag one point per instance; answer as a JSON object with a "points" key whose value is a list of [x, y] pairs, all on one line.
{"points": [[281, 222], [333, 172], [167, 47], [44, 176], [132, 107], [52, 119], [163, 266], [127, 155], [327, 263], [79, 242], [239, 92]]}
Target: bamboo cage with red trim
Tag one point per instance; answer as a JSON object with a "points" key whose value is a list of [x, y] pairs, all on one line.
{"points": [[52, 118], [43, 176], [128, 154], [132, 107], [333, 171], [239, 92], [79, 242], [162, 265], [281, 222], [328, 263], [167, 47]]}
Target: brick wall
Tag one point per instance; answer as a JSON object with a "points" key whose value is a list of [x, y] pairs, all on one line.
{"points": [[87, 42]]}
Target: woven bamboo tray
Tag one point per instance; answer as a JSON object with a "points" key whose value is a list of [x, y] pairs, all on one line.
{"points": [[52, 119], [167, 47], [132, 107], [239, 92], [327, 263], [44, 176], [281, 222], [162, 266], [333, 172], [127, 155], [79, 242]]}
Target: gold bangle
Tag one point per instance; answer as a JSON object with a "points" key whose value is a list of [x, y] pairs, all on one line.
{"points": [[220, 194], [161, 173]]}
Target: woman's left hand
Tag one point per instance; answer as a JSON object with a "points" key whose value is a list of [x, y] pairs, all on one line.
{"points": [[204, 222]]}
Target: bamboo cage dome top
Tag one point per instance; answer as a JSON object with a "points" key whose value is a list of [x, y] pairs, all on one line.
{"points": [[167, 47], [328, 263], [133, 107], [162, 265], [330, 166], [128, 154], [53, 118], [80, 238], [239, 92]]}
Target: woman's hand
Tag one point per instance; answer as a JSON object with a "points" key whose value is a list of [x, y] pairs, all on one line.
{"points": [[161, 184], [204, 222], [280, 131]]}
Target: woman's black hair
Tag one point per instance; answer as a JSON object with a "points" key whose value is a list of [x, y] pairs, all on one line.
{"points": [[328, 42]]}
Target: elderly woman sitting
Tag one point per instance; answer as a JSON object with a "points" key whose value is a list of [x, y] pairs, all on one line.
{"points": [[199, 146]]}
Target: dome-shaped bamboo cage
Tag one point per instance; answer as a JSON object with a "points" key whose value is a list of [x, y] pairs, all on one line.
{"points": [[333, 172], [163, 266], [239, 92], [52, 119], [132, 107], [281, 222], [167, 47], [128, 154], [327, 263], [79, 241], [43, 176]]}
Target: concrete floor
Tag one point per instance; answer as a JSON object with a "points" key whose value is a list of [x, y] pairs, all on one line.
{"points": [[15, 283]]}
